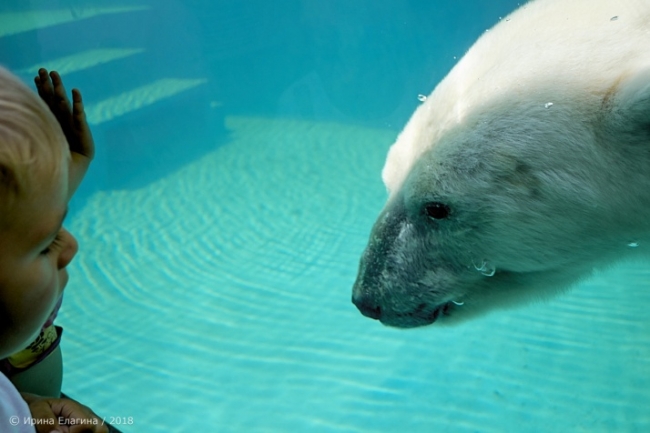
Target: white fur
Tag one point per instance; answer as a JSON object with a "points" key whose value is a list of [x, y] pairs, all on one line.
{"points": [[539, 142], [564, 50]]}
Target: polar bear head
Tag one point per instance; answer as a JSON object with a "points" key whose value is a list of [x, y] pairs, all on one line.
{"points": [[521, 172]]}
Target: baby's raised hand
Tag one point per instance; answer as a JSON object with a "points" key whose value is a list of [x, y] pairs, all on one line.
{"points": [[72, 119]]}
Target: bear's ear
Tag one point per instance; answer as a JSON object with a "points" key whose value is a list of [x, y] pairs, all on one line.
{"points": [[631, 108]]}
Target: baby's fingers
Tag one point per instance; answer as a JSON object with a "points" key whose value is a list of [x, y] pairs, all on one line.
{"points": [[44, 85], [78, 111], [51, 90], [46, 420], [60, 103], [84, 143]]}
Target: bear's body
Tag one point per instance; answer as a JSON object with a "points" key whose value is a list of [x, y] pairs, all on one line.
{"points": [[528, 166]]}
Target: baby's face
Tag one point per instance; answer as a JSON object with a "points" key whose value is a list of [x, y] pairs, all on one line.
{"points": [[34, 251]]}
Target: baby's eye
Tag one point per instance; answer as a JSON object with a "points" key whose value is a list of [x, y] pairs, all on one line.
{"points": [[54, 244]]}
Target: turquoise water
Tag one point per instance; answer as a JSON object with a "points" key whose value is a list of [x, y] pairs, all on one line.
{"points": [[240, 147]]}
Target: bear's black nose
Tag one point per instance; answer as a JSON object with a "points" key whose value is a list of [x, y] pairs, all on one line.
{"points": [[366, 307]]}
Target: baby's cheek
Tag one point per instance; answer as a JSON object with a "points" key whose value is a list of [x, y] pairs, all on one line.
{"points": [[19, 315], [36, 302], [17, 331]]}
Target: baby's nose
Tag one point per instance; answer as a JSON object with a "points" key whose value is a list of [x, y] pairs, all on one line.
{"points": [[69, 250]]}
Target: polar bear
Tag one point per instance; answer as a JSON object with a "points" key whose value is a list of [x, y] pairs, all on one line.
{"points": [[527, 167]]}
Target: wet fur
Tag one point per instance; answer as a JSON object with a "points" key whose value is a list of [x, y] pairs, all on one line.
{"points": [[544, 193]]}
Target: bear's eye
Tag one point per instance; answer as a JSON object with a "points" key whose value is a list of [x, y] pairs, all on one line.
{"points": [[436, 210]]}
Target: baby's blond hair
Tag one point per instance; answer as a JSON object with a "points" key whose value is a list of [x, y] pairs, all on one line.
{"points": [[31, 141]]}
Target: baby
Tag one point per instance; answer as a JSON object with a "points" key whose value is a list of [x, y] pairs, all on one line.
{"points": [[45, 150]]}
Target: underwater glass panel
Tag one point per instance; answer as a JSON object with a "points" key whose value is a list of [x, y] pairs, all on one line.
{"points": [[238, 174]]}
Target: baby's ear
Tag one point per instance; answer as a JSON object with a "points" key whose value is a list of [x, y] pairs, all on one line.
{"points": [[8, 181], [631, 105]]}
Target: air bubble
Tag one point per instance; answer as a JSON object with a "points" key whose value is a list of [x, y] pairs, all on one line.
{"points": [[633, 244], [548, 105], [422, 98], [486, 268]]}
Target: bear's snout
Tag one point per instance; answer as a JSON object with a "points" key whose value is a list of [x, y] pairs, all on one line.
{"points": [[366, 306]]}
